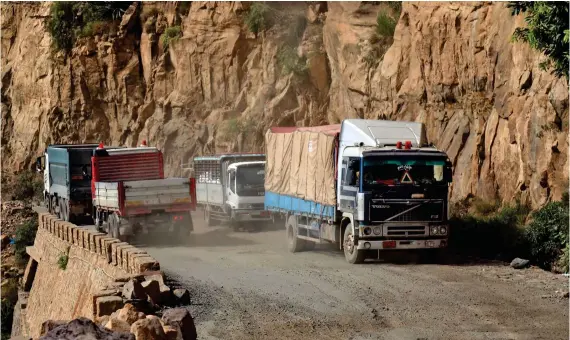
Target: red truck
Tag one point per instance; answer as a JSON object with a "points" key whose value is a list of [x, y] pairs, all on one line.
{"points": [[131, 196]]}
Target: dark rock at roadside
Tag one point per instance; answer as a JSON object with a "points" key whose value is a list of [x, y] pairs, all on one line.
{"points": [[519, 263], [84, 329]]}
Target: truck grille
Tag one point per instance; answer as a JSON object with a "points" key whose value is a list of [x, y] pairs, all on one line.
{"points": [[401, 211], [405, 231]]}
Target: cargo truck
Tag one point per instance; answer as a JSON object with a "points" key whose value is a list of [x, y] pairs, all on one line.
{"points": [[229, 188], [131, 196], [366, 185], [67, 175]]}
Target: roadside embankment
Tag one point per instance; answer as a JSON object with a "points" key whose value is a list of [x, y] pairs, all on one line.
{"points": [[75, 272]]}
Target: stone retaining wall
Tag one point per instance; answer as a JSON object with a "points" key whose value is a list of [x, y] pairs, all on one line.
{"points": [[97, 267]]}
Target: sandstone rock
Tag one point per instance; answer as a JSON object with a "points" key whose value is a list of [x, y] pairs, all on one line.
{"points": [[116, 325], [181, 318], [182, 296], [172, 332], [133, 290], [129, 314], [451, 66], [148, 329], [152, 290], [106, 305], [84, 328], [49, 325], [4, 241]]}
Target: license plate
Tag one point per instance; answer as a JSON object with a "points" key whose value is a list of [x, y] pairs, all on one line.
{"points": [[389, 244]]}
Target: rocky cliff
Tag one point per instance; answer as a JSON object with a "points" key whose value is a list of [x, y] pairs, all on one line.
{"points": [[483, 99]]}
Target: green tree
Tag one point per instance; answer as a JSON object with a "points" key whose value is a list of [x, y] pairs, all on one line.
{"points": [[547, 30]]}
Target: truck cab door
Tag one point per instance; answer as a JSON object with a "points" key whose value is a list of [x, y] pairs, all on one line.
{"points": [[232, 198]]}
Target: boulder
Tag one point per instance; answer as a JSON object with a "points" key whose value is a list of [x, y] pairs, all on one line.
{"points": [[182, 296], [84, 328], [106, 305], [172, 332], [133, 290], [181, 318], [166, 297], [152, 290], [129, 314], [4, 241], [519, 263], [49, 325], [116, 325], [148, 329]]}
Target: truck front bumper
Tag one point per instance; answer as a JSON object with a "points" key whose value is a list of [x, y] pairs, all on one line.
{"points": [[251, 215], [401, 244]]}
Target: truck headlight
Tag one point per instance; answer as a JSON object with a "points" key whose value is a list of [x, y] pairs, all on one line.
{"points": [[367, 231], [443, 230], [377, 231], [434, 230]]}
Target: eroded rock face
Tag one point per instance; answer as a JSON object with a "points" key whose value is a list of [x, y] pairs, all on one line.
{"points": [[483, 99]]}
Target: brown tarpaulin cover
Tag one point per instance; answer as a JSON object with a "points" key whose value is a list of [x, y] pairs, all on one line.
{"points": [[300, 162]]}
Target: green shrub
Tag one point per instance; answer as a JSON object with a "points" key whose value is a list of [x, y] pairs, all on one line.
{"points": [[547, 234], [498, 235], [385, 25], [61, 24], [28, 186], [95, 28], [68, 20], [25, 236], [170, 34], [547, 30], [62, 261], [257, 18], [184, 7], [563, 262], [149, 12], [9, 300], [290, 61]]}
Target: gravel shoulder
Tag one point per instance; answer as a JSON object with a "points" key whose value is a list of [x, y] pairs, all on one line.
{"points": [[245, 285]]}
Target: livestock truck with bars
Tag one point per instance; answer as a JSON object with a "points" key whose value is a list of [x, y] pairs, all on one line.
{"points": [[67, 180], [230, 189], [131, 196], [366, 185]]}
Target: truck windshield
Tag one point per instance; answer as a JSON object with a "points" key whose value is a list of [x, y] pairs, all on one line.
{"points": [[403, 170], [250, 180]]}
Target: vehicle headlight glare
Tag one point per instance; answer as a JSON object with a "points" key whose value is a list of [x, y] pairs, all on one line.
{"points": [[442, 230], [434, 230]]}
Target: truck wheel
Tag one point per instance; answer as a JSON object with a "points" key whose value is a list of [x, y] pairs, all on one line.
{"points": [[60, 211], [293, 243], [47, 202], [113, 226], [210, 222], [351, 254], [54, 206]]}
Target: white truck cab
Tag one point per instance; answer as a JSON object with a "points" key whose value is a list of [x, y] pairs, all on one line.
{"points": [[230, 188]]}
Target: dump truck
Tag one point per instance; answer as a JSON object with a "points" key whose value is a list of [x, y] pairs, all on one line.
{"points": [[366, 185], [230, 188], [67, 180], [131, 196]]}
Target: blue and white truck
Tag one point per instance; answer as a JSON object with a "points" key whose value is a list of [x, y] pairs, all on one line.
{"points": [[67, 180], [363, 184]]}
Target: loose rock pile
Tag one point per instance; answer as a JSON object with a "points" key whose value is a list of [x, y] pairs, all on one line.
{"points": [[142, 308]]}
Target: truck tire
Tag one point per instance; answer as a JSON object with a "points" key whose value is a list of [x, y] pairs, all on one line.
{"points": [[294, 244], [210, 222], [113, 223], [60, 211], [351, 254]]}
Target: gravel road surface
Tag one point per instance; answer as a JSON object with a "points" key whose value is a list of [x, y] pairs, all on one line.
{"points": [[246, 285]]}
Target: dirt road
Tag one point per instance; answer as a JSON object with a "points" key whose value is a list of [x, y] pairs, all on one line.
{"points": [[247, 286]]}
